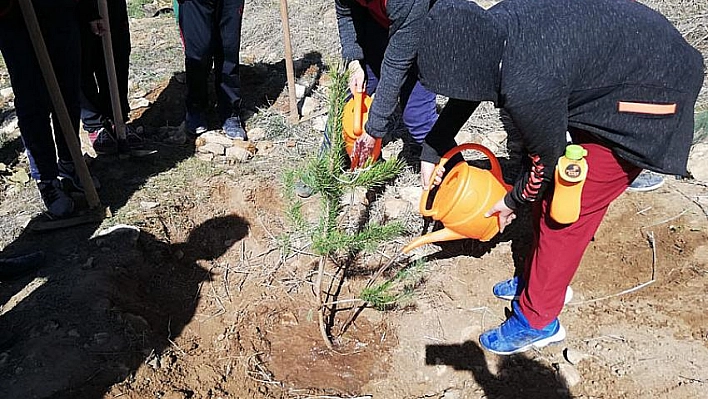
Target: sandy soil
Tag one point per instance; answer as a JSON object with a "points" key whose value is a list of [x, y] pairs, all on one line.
{"points": [[203, 300]]}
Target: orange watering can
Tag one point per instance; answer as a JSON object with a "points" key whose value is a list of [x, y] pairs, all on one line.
{"points": [[464, 196], [354, 116]]}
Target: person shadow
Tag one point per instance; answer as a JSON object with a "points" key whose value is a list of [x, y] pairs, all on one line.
{"points": [[131, 298], [517, 376]]}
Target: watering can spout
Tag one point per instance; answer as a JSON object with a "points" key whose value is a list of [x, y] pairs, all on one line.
{"points": [[436, 236]]}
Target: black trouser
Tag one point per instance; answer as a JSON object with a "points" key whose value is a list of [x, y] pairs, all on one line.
{"points": [[95, 91], [211, 31], [61, 34]]}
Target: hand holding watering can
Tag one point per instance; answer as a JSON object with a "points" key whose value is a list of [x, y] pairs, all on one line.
{"points": [[359, 145]]}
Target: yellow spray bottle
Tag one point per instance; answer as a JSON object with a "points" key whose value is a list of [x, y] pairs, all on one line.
{"points": [[571, 171]]}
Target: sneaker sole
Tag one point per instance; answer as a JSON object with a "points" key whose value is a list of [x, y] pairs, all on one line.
{"points": [[644, 189], [557, 337], [568, 296]]}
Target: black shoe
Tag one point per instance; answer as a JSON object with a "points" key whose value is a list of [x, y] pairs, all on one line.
{"points": [[59, 205], [18, 266]]}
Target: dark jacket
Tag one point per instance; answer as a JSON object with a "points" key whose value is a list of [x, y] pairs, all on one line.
{"points": [[87, 9], [558, 65], [406, 17]]}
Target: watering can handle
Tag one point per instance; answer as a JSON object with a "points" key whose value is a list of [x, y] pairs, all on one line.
{"points": [[496, 171], [358, 113]]}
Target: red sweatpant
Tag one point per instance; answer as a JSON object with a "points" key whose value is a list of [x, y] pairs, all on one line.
{"points": [[557, 249]]}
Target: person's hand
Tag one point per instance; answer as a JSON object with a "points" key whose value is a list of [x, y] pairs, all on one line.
{"points": [[357, 77], [363, 149], [506, 214], [426, 173], [97, 27]]}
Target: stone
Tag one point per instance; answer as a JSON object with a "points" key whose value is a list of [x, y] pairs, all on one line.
{"points": [[7, 93], [320, 123], [697, 164], [264, 147], [136, 103], [214, 137], [212, 148], [148, 205], [205, 157], [256, 134], [309, 106], [411, 194], [452, 393], [396, 208], [568, 375], [121, 232], [3, 167], [300, 90], [238, 154]]}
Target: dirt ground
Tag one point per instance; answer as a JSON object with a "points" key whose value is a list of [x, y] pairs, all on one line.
{"points": [[196, 288]]}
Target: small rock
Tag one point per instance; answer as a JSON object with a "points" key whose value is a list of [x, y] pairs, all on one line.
{"points": [[290, 143], [300, 90], [20, 177], [154, 362], [10, 126], [573, 356], [3, 167], [139, 93], [264, 147], [320, 123], [309, 106], [128, 232], [568, 375], [136, 103], [257, 134], [696, 162], [145, 205], [396, 208], [411, 194], [212, 148], [289, 319], [238, 154], [7, 93], [213, 137], [205, 157]]}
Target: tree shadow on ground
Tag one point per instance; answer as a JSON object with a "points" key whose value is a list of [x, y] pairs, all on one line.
{"points": [[517, 376], [129, 301], [65, 254]]}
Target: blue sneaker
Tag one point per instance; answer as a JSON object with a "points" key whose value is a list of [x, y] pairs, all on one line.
{"points": [[646, 181], [511, 289], [516, 335], [194, 123], [233, 129]]}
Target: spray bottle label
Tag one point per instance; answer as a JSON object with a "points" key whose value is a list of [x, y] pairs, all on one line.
{"points": [[570, 175]]}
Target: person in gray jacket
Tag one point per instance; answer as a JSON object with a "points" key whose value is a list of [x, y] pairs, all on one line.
{"points": [[613, 75], [379, 39]]}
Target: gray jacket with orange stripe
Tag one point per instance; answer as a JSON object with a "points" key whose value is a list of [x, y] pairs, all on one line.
{"points": [[613, 68]]}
